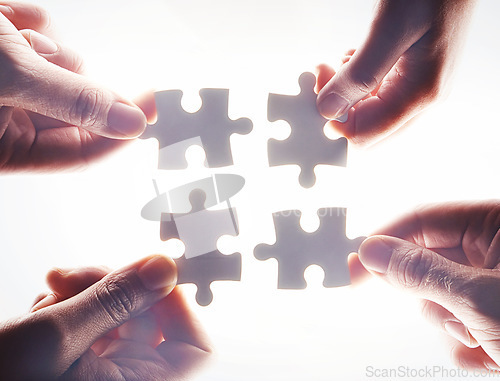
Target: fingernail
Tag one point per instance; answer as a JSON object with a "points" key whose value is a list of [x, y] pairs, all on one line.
{"points": [[375, 254], [333, 106], [45, 302], [491, 365], [128, 121], [6, 10], [458, 331], [42, 44], [159, 272], [342, 118]]}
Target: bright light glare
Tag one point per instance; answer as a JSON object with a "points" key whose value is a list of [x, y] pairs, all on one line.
{"points": [[253, 48]]}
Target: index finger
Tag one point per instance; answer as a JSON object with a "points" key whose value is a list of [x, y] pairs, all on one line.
{"points": [[464, 232], [186, 346], [179, 323], [28, 16]]}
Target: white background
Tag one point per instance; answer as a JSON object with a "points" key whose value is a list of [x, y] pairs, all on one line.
{"points": [[253, 48]]}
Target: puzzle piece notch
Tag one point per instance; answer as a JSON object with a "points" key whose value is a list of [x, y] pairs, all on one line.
{"points": [[210, 127], [295, 249], [307, 145], [204, 270]]}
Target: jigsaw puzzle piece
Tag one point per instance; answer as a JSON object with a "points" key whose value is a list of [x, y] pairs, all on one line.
{"points": [[182, 200], [154, 209], [168, 225], [168, 105], [210, 127], [307, 145], [174, 155], [295, 249], [333, 225], [204, 270], [219, 127], [199, 229]]}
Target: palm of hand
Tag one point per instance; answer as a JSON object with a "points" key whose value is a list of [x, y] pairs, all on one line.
{"points": [[124, 360]]}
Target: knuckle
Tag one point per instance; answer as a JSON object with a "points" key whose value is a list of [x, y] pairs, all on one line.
{"points": [[88, 107], [413, 268], [480, 294], [363, 81], [118, 299]]}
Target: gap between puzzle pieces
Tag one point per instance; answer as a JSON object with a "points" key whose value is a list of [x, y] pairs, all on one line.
{"points": [[295, 249], [210, 127], [307, 145]]}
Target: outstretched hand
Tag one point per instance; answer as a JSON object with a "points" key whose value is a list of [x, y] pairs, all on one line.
{"points": [[448, 255], [51, 116], [402, 67], [110, 326]]}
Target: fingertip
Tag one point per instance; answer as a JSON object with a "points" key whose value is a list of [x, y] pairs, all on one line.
{"points": [[54, 274], [40, 43], [357, 271], [332, 105], [146, 102], [375, 254], [49, 300], [324, 73], [158, 272], [126, 121]]}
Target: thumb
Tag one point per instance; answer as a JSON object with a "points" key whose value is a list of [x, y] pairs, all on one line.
{"points": [[45, 88], [388, 39], [414, 268], [115, 299]]}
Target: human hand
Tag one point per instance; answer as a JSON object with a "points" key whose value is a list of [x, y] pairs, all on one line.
{"points": [[402, 67], [116, 326], [448, 255], [51, 116]]}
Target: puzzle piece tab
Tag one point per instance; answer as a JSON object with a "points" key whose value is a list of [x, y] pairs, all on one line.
{"points": [[209, 127], [204, 270], [307, 144], [296, 249]]}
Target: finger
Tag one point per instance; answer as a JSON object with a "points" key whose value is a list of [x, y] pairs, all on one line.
{"points": [[53, 52], [50, 90], [146, 102], [357, 271], [323, 75], [27, 16], [371, 62], [67, 283], [421, 271], [70, 282], [393, 103], [109, 303], [48, 300], [472, 358], [186, 344], [39, 297], [461, 231], [350, 52], [179, 323], [446, 321], [142, 329]]}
